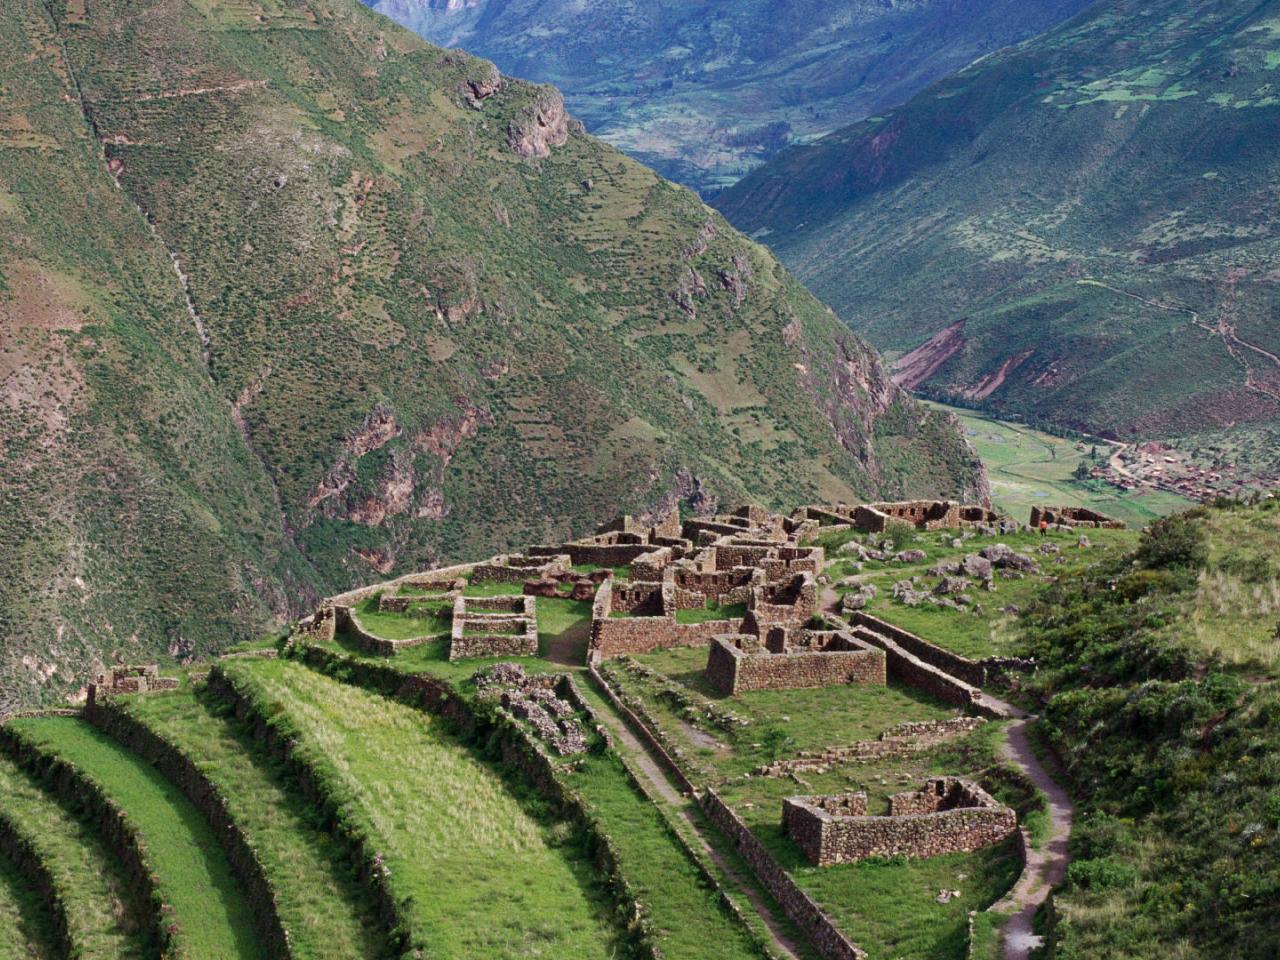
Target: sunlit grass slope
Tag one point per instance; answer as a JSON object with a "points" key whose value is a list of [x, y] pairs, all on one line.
{"points": [[319, 900], [191, 873], [102, 924], [478, 872]]}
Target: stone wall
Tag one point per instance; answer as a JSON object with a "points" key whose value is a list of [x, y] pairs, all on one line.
{"points": [[516, 568], [349, 623], [949, 815], [813, 922], [649, 566], [794, 601], [970, 671], [320, 627], [696, 588], [732, 669], [639, 598], [615, 636], [1073, 517], [122, 680], [352, 597], [494, 627], [914, 672]]}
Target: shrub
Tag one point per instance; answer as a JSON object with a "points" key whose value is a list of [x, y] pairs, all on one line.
{"points": [[1176, 542], [899, 533], [1101, 873]]}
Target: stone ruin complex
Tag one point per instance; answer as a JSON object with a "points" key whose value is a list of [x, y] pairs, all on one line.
{"points": [[136, 679], [549, 703], [1072, 517], [949, 815], [494, 627], [921, 514]]}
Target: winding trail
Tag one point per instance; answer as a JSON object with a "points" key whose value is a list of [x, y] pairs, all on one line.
{"points": [[1046, 867], [1225, 329]]}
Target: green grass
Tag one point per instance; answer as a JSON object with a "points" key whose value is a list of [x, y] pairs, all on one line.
{"points": [[25, 924], [402, 626], [1028, 467], [1236, 614], [732, 611], [620, 573], [192, 875], [320, 902], [493, 588], [810, 719], [888, 908], [103, 922], [984, 629], [478, 872], [685, 910]]}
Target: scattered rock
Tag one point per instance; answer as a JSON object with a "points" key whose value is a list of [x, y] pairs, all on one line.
{"points": [[910, 556], [950, 586]]}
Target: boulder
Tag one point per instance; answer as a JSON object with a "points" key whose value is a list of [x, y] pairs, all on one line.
{"points": [[950, 586], [976, 566], [910, 556], [1049, 548], [541, 588]]}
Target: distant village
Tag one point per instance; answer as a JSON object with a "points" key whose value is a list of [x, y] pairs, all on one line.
{"points": [[1158, 465]]}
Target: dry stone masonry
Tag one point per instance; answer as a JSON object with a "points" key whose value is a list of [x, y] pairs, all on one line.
{"points": [[135, 679], [546, 702], [738, 664], [1073, 517], [949, 815], [494, 627]]}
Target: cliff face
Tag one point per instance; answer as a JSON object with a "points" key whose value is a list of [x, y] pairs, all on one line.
{"points": [[703, 90], [289, 295]]}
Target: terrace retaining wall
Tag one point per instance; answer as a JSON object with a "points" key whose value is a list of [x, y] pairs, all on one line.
{"points": [[114, 827], [113, 720]]}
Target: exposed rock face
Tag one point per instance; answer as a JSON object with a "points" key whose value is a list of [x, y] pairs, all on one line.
{"points": [[485, 83], [543, 124]]}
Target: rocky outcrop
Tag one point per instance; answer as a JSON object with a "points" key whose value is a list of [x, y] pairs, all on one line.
{"points": [[541, 125]]}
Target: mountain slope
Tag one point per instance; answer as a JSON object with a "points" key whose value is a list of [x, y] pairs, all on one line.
{"points": [[703, 91], [1067, 228], [353, 301]]}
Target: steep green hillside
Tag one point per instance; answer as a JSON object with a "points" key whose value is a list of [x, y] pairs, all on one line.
{"points": [[356, 304], [1161, 696], [704, 91], [1082, 228]]}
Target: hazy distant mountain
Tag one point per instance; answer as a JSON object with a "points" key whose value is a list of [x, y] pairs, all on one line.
{"points": [[703, 90], [1083, 228]]}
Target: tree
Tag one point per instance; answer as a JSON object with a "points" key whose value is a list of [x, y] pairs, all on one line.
{"points": [[1081, 471], [1172, 543]]}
